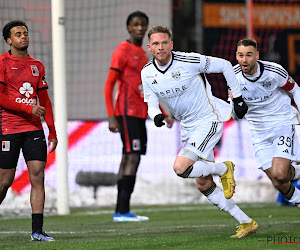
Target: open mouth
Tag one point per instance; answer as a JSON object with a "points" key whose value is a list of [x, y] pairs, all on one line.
{"points": [[245, 66]]}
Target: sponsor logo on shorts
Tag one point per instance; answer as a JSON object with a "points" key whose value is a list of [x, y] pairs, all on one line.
{"points": [[136, 144], [5, 145]]}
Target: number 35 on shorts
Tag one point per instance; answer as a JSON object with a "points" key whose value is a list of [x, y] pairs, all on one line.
{"points": [[284, 144]]}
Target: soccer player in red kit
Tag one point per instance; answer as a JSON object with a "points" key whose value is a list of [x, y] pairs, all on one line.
{"points": [[129, 114], [22, 86]]}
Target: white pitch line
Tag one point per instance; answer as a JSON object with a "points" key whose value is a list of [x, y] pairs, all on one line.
{"points": [[143, 228]]}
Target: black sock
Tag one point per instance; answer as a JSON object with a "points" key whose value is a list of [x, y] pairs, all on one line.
{"points": [[125, 193], [120, 187], [37, 223]]}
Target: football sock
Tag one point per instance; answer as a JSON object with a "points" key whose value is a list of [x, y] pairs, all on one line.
{"points": [[120, 186], [216, 196], [125, 193], [293, 196], [295, 172], [37, 223], [203, 168]]}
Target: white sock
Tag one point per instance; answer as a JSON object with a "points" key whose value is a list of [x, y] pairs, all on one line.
{"points": [[295, 199], [297, 171], [228, 205], [202, 168]]}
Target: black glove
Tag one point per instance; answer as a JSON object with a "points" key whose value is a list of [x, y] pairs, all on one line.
{"points": [[158, 120], [240, 107]]}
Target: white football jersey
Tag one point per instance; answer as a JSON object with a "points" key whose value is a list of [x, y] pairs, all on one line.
{"points": [[269, 106], [183, 87]]}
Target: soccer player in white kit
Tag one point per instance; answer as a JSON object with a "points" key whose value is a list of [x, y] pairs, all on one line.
{"points": [[179, 80], [272, 119]]}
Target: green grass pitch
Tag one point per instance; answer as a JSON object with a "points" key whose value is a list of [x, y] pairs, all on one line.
{"points": [[170, 227]]}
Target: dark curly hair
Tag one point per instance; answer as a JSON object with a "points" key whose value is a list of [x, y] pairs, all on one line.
{"points": [[136, 14], [7, 28]]}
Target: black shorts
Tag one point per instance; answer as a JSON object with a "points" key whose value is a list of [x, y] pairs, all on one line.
{"points": [[32, 143], [133, 134]]}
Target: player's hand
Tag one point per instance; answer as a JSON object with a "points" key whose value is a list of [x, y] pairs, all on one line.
{"points": [[169, 120], [38, 110], [158, 120], [240, 107], [52, 144], [113, 124]]}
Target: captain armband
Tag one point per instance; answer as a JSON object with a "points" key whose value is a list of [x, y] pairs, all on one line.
{"points": [[289, 84]]}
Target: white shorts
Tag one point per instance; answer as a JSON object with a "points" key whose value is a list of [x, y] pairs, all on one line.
{"points": [[282, 143], [200, 142]]}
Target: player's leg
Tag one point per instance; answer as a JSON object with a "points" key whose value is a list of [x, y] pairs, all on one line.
{"points": [[276, 162], [295, 171], [280, 175], [196, 158], [127, 182], [6, 179], [295, 161], [9, 155], [35, 154], [134, 139], [216, 196]]}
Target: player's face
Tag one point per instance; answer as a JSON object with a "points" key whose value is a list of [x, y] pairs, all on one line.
{"points": [[160, 45], [137, 28], [247, 57], [19, 38]]}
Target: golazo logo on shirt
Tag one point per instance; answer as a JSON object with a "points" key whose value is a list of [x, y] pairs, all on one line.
{"points": [[34, 70], [26, 90]]}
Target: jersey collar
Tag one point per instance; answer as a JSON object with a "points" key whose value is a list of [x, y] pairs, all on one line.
{"points": [[261, 72], [163, 71]]}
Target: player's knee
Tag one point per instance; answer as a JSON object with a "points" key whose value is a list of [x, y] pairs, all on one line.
{"points": [[280, 176], [37, 178], [133, 159], [183, 172]]}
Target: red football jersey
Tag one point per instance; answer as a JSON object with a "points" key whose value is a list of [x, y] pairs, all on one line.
{"points": [[22, 78], [129, 59]]}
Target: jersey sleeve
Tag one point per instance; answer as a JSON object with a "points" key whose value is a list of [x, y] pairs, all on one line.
{"points": [[48, 117], [108, 91], [209, 64], [149, 94], [42, 81], [2, 72], [118, 59], [287, 84]]}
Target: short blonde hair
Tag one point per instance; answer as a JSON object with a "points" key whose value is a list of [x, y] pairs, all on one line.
{"points": [[159, 29]]}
